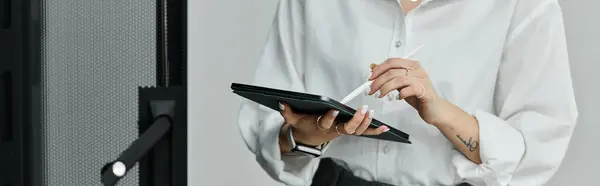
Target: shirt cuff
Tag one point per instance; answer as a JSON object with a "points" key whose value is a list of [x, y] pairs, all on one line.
{"points": [[501, 148], [289, 169]]}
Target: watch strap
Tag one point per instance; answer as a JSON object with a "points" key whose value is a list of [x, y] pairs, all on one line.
{"points": [[302, 148]]}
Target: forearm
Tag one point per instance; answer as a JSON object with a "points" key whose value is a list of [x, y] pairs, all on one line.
{"points": [[462, 130]]}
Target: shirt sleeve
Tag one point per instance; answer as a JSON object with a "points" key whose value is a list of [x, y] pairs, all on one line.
{"points": [[280, 66], [524, 142]]}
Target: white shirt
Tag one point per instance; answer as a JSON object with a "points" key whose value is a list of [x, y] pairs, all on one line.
{"points": [[505, 62]]}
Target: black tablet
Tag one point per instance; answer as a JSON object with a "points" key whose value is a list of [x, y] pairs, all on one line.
{"points": [[310, 104]]}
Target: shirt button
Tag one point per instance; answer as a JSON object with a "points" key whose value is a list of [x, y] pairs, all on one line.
{"points": [[398, 44]]}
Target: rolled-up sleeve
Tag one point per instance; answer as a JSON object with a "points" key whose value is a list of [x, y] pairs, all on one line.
{"points": [[280, 67], [525, 140]]}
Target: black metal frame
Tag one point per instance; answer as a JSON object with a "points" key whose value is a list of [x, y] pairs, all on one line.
{"points": [[20, 151], [166, 163], [20, 93], [161, 149], [172, 54], [171, 72]]}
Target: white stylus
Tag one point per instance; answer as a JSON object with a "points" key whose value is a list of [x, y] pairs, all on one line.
{"points": [[365, 86]]}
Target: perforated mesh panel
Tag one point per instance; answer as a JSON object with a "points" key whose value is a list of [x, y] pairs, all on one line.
{"points": [[95, 55]]}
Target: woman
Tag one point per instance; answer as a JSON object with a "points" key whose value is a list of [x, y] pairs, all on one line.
{"points": [[488, 100]]}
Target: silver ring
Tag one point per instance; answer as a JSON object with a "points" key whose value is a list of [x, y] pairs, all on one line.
{"points": [[423, 91]]}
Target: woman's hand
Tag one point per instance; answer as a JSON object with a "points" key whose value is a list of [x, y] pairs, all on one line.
{"points": [[411, 80], [316, 130], [414, 86]]}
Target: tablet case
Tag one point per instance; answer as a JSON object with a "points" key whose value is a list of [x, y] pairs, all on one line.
{"points": [[310, 104]]}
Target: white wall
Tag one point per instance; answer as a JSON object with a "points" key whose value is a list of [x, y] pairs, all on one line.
{"points": [[225, 40]]}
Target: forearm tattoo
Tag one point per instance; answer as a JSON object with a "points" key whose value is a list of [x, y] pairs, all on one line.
{"points": [[470, 144]]}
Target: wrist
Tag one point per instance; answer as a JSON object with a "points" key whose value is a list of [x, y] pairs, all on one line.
{"points": [[449, 113], [284, 144], [288, 143], [304, 139]]}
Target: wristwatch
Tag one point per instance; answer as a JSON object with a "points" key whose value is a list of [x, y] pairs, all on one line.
{"points": [[303, 148]]}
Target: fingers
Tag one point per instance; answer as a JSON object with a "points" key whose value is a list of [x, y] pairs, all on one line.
{"points": [[375, 131], [358, 125], [365, 123], [397, 83], [288, 114], [351, 126], [416, 90], [393, 63], [384, 78], [327, 120]]}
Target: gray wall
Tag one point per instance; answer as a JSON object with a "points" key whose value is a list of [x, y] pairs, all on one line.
{"points": [[580, 166], [225, 40]]}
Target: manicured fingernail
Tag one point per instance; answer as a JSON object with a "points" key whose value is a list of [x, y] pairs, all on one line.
{"points": [[371, 112], [281, 106], [367, 91], [364, 109], [372, 66], [335, 113], [377, 94], [384, 128]]}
